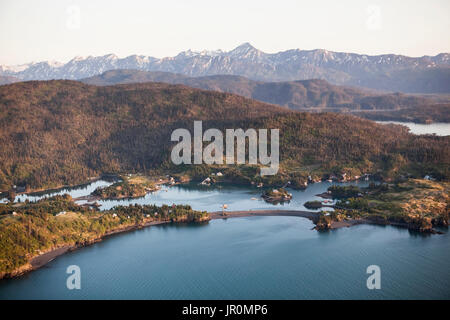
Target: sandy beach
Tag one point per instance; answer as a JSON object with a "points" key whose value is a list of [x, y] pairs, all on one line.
{"points": [[45, 258]]}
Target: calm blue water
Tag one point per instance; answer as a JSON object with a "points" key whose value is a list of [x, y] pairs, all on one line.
{"points": [[440, 129], [200, 197], [236, 197], [244, 258], [248, 258]]}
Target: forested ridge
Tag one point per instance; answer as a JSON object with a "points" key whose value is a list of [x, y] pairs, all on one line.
{"points": [[304, 95], [62, 132]]}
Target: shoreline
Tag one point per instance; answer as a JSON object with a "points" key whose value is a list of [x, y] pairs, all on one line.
{"points": [[44, 258], [36, 192], [48, 256]]}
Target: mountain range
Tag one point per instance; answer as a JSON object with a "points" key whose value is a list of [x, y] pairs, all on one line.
{"points": [[389, 72]]}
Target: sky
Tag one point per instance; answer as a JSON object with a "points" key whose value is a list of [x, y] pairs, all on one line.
{"points": [[37, 30]]}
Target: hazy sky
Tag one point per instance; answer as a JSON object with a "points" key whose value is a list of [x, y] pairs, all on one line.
{"points": [[35, 30]]}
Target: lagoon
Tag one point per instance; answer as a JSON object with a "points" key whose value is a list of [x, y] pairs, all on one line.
{"points": [[440, 129], [74, 192], [200, 197], [211, 198]]}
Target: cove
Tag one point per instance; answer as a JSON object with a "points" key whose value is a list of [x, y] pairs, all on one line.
{"points": [[247, 258]]}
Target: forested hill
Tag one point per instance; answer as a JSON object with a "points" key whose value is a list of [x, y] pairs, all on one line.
{"points": [[298, 95], [304, 95], [62, 132]]}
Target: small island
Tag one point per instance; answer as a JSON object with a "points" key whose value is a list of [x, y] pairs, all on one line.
{"points": [[276, 195], [314, 205], [129, 187]]}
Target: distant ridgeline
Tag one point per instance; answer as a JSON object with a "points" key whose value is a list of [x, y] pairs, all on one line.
{"points": [[63, 132], [305, 95]]}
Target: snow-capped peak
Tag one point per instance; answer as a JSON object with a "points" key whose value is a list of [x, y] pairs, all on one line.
{"points": [[110, 56], [77, 58], [243, 49]]}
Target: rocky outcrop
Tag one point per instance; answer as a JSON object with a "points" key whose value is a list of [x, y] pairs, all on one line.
{"points": [[323, 223]]}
